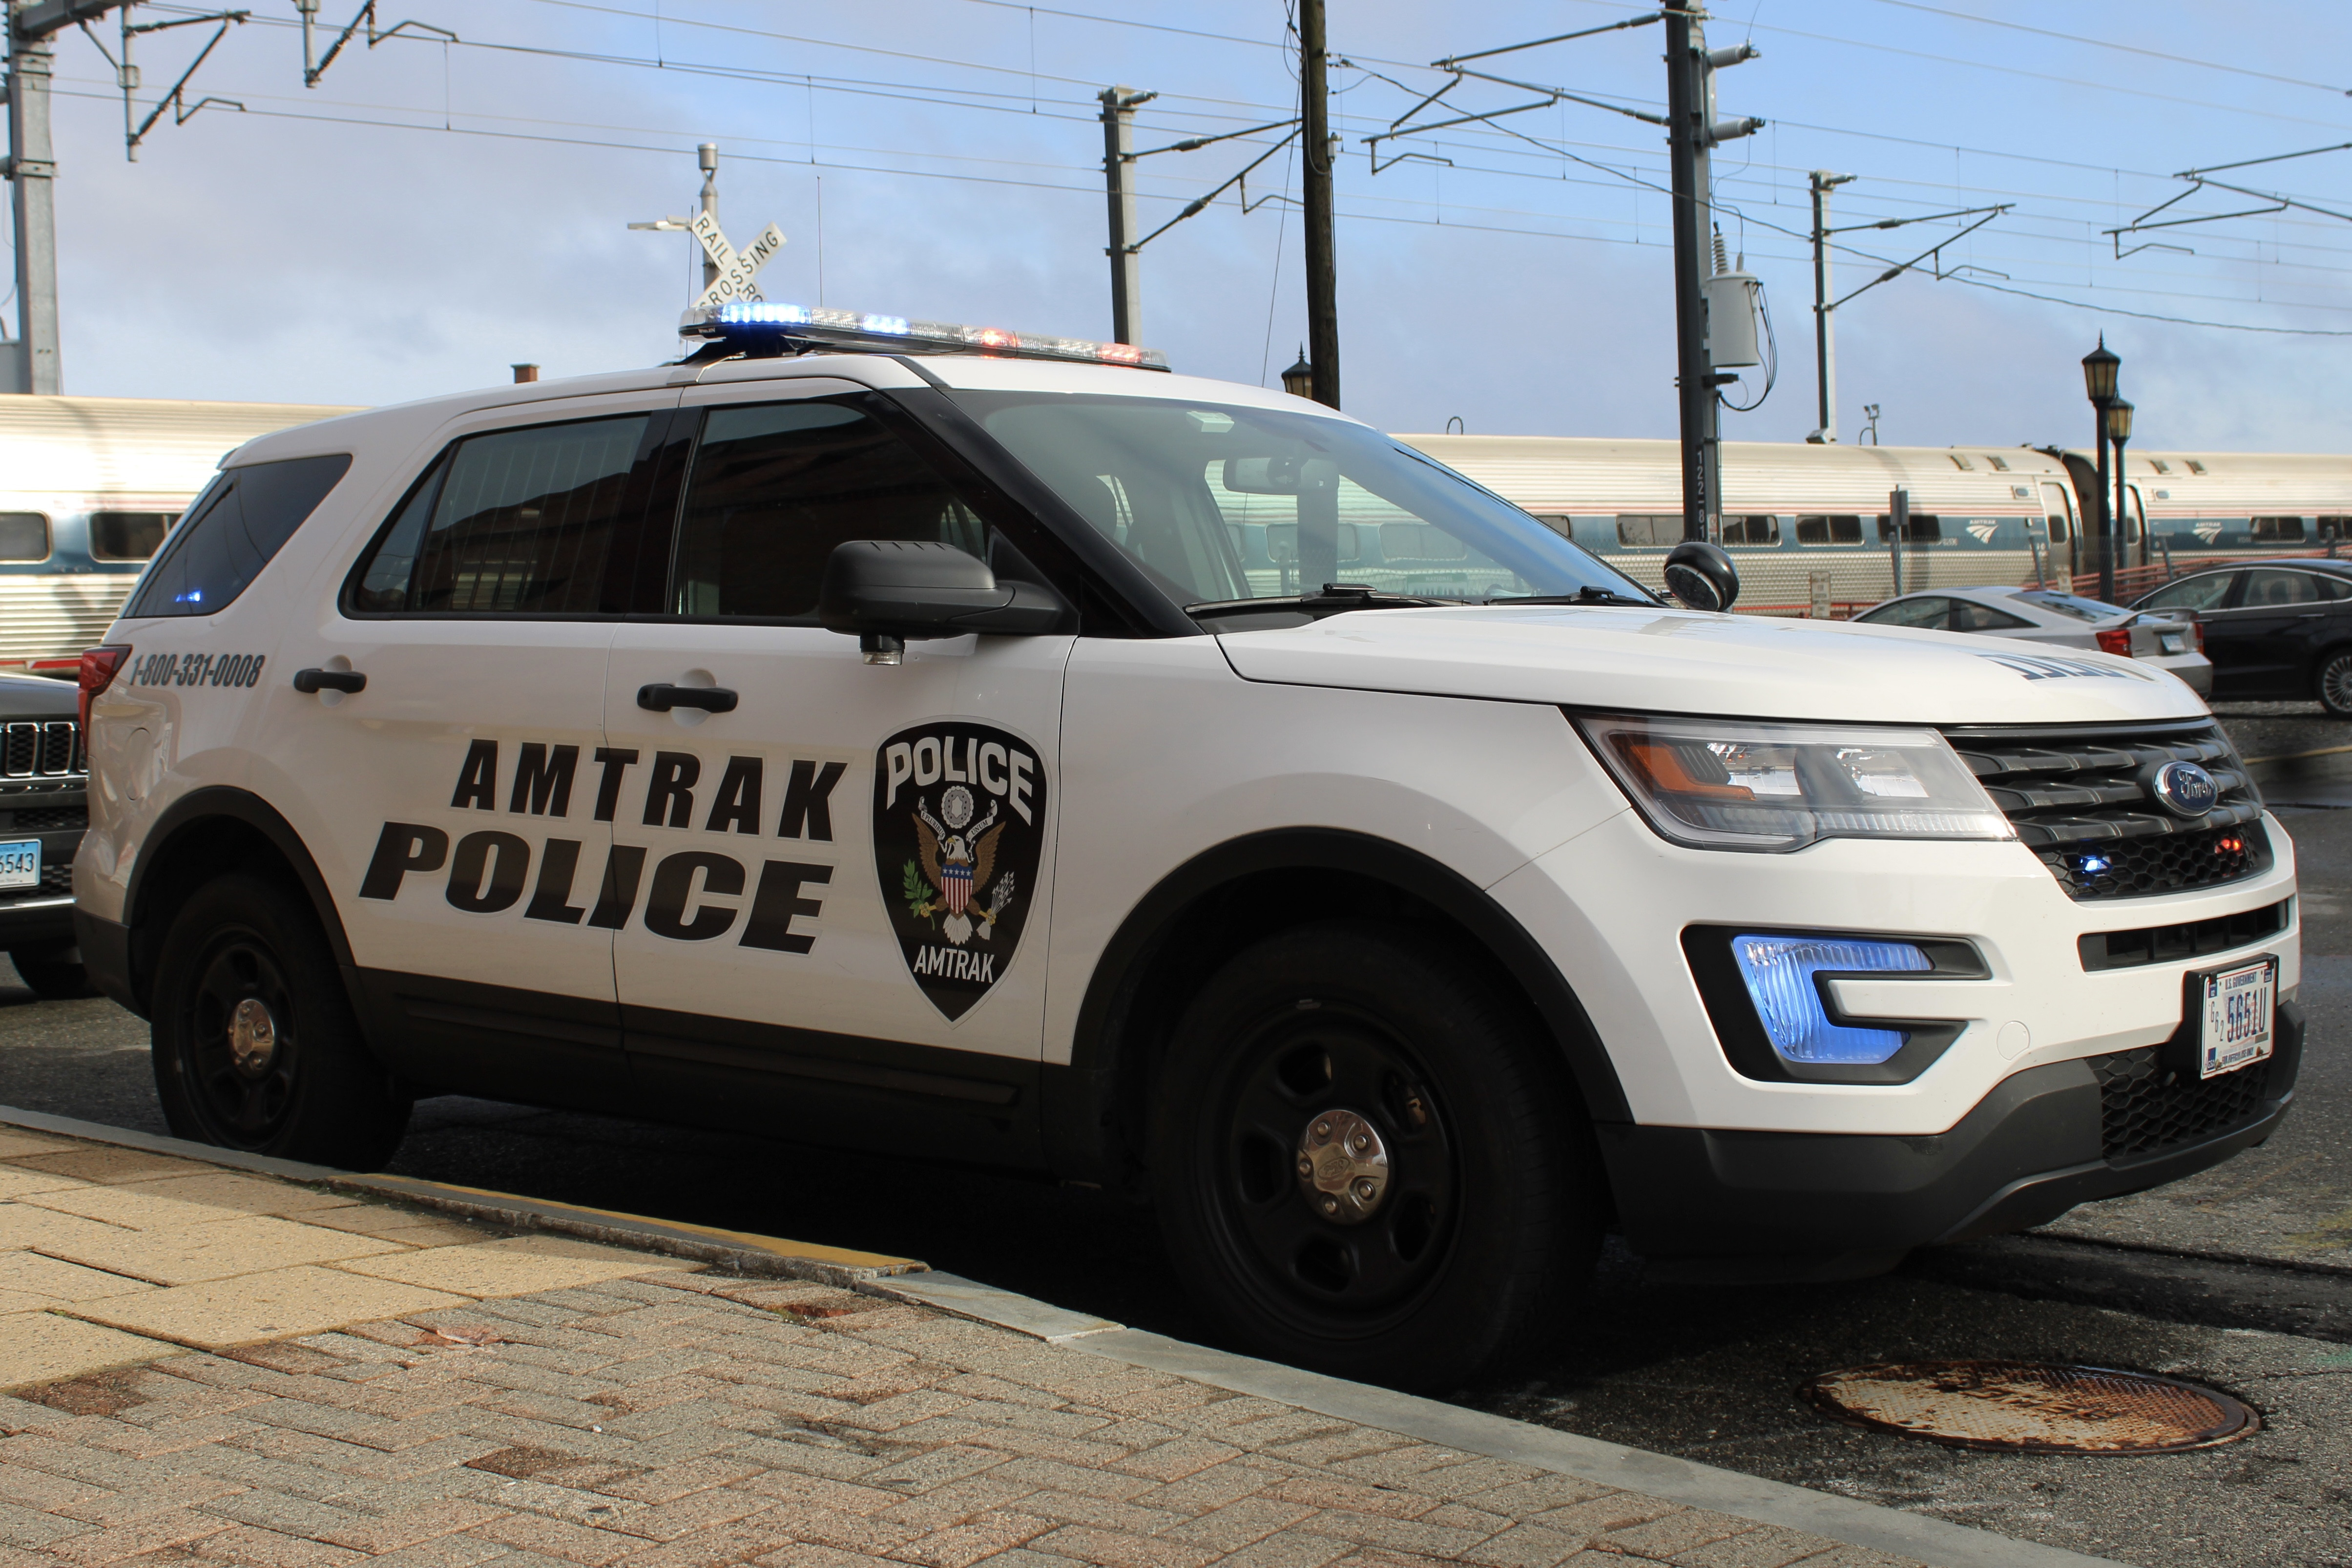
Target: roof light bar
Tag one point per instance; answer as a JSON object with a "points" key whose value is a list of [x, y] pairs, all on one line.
{"points": [[758, 324]]}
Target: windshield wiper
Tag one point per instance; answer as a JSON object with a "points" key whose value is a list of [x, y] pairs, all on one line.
{"points": [[1590, 594], [1335, 598]]}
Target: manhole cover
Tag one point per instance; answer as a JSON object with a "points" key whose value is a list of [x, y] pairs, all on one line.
{"points": [[2031, 1409]]}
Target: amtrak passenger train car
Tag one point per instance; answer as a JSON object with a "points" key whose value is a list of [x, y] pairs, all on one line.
{"points": [[89, 486], [1810, 525]]}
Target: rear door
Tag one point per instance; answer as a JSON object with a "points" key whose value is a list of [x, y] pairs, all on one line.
{"points": [[2262, 639], [837, 887], [452, 802]]}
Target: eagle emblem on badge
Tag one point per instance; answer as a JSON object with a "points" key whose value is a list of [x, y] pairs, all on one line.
{"points": [[959, 816]]}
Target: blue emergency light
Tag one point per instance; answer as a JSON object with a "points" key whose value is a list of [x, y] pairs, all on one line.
{"points": [[759, 326]]}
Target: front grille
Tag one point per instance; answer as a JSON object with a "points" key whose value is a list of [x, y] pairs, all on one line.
{"points": [[46, 819], [2081, 801], [2190, 939], [2144, 1108], [47, 750], [57, 877]]}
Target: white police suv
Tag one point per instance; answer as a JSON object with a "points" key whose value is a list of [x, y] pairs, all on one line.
{"points": [[881, 734]]}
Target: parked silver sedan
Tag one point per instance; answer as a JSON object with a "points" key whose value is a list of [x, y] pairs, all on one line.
{"points": [[2169, 640]]}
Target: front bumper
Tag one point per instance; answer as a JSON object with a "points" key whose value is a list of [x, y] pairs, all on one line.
{"points": [[1703, 1203]]}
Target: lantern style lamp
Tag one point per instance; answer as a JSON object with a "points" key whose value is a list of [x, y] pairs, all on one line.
{"points": [[2099, 367], [2119, 421], [1299, 379]]}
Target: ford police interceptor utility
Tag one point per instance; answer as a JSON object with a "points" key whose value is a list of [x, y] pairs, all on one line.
{"points": [[985, 749]]}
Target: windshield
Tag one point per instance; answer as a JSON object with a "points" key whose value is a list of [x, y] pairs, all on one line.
{"points": [[2069, 604], [1219, 503]]}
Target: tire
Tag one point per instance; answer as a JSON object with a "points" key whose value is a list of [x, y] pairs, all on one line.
{"points": [[53, 973], [2333, 684], [254, 1042], [1489, 1222]]}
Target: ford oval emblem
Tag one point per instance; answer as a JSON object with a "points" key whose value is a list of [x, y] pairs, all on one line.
{"points": [[2185, 789]]}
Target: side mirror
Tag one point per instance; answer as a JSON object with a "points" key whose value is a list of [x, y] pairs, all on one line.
{"points": [[1701, 575], [886, 591]]}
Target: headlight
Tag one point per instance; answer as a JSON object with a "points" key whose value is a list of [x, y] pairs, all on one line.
{"points": [[1727, 783]]}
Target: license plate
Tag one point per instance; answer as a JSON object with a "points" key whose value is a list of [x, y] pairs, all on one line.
{"points": [[2238, 1009], [20, 863], [2173, 642]]}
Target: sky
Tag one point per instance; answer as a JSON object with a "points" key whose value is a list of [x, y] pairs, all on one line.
{"points": [[449, 201]]}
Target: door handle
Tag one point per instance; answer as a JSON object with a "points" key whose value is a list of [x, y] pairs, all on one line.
{"points": [[661, 697], [312, 681]]}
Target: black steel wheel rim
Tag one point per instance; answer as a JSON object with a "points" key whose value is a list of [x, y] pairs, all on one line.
{"points": [[244, 1109], [1345, 1279]]}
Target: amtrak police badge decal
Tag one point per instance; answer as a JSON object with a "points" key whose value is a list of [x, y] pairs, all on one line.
{"points": [[959, 811]]}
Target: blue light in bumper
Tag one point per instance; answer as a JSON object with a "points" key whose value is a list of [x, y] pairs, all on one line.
{"points": [[1779, 972]]}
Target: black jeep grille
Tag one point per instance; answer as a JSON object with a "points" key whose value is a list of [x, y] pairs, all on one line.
{"points": [[2081, 801], [39, 750], [2143, 1108], [46, 818]]}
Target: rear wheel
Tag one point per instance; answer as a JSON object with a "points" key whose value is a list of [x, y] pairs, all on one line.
{"points": [[1367, 1164], [255, 1045], [2333, 682]]}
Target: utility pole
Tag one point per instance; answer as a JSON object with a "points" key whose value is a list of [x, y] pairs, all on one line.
{"points": [[1315, 145], [1692, 131], [1824, 328], [1125, 251], [708, 153]]}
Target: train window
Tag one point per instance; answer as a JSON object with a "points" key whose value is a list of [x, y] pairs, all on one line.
{"points": [[24, 536], [231, 533], [1931, 612], [1960, 463], [2000, 464], [1758, 528], [127, 535], [1970, 617], [1837, 529], [2278, 529], [2199, 593], [2160, 465], [2057, 530], [1563, 526], [2335, 527], [1918, 530], [1644, 530], [2194, 466]]}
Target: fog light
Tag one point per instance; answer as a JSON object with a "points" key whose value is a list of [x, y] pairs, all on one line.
{"points": [[1780, 974]]}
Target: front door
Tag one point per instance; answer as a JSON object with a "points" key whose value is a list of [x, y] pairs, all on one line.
{"points": [[450, 802], [838, 870]]}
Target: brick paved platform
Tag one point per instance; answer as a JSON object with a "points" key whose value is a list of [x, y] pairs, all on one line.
{"points": [[640, 1413]]}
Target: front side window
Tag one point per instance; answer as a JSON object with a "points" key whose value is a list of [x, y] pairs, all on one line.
{"points": [[1221, 503], [1932, 611], [2203, 593], [547, 519], [128, 535], [775, 487], [24, 536], [231, 532]]}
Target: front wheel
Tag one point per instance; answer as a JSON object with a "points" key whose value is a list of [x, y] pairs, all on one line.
{"points": [[2333, 683], [254, 1042], [1365, 1162]]}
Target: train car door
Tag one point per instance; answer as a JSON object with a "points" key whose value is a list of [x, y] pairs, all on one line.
{"points": [[2058, 512]]}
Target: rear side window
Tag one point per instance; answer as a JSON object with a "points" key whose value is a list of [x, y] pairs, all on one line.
{"points": [[1970, 617], [1931, 611], [128, 535], [231, 533], [547, 519], [24, 536]]}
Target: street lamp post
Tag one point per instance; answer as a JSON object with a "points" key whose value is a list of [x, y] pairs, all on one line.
{"points": [[2099, 367], [1299, 379], [2119, 423]]}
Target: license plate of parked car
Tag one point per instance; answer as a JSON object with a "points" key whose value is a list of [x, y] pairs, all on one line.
{"points": [[2240, 1007], [20, 863]]}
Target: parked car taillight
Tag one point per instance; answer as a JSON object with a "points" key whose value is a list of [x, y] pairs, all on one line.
{"points": [[98, 668], [2116, 639]]}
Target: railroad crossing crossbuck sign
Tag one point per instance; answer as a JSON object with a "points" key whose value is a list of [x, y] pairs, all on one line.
{"points": [[735, 267]]}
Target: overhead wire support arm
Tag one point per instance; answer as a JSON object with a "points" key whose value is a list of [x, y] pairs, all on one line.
{"points": [[1197, 143], [1450, 61], [309, 9], [1935, 250], [2199, 179], [1200, 204], [126, 74]]}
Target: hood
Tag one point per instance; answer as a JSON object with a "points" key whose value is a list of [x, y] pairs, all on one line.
{"points": [[1664, 660]]}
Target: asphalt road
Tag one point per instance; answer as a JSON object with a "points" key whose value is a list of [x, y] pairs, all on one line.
{"points": [[2241, 1280]]}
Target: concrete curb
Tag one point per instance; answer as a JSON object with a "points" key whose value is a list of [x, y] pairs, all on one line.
{"points": [[736, 1251], [1855, 1523]]}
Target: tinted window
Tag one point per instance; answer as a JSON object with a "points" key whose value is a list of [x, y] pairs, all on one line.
{"points": [[1970, 617], [1916, 529], [24, 536], [2191, 592], [2269, 589], [231, 533], [1643, 530], [131, 535], [775, 487], [544, 520], [1932, 610], [2276, 530], [1830, 530], [1759, 529]]}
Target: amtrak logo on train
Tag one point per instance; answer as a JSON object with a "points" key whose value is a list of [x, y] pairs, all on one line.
{"points": [[958, 815]]}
